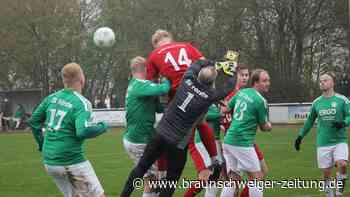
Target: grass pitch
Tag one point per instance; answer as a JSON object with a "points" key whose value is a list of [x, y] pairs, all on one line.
{"points": [[22, 173]]}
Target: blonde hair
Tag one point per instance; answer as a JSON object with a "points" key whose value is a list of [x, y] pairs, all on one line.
{"points": [[159, 35], [137, 64], [71, 73]]}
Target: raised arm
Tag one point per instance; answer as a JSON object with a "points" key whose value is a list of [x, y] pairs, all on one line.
{"points": [[193, 70], [154, 89], [221, 93]]}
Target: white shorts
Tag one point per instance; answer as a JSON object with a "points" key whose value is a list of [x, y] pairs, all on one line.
{"points": [[241, 159], [135, 152], [76, 180], [328, 155]]}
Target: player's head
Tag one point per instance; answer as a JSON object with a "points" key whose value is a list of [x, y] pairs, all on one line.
{"points": [[73, 76], [260, 80], [138, 67], [242, 75], [161, 37], [327, 81], [207, 75]]}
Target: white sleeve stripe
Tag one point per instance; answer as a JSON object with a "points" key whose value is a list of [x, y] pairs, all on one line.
{"points": [[346, 100], [84, 101]]}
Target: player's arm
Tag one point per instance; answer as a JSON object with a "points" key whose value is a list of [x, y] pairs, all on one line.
{"points": [[309, 122], [306, 128], [263, 120], [227, 107], [347, 113], [154, 89], [346, 121], [193, 70], [86, 128], [152, 70], [213, 113], [221, 93], [36, 122], [266, 127], [195, 54]]}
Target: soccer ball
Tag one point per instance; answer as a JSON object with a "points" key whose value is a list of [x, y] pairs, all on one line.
{"points": [[104, 37]]}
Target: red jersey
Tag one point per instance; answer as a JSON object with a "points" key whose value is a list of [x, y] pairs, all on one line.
{"points": [[226, 120], [171, 61]]}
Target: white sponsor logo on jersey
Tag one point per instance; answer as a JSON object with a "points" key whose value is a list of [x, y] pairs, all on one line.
{"points": [[326, 112], [334, 104]]}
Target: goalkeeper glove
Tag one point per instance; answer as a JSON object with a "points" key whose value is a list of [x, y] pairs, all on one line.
{"points": [[297, 143], [228, 67], [339, 124]]}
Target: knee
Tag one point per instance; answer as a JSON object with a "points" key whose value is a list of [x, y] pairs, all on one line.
{"points": [[327, 172], [234, 176], [260, 175], [256, 175], [341, 164]]}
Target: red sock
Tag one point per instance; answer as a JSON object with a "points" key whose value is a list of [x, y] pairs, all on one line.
{"points": [[245, 192], [208, 138], [192, 191]]}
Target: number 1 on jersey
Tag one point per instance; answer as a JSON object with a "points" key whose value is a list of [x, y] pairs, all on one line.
{"points": [[182, 59], [186, 102]]}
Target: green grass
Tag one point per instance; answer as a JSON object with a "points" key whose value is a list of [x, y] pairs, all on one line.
{"points": [[22, 173]]}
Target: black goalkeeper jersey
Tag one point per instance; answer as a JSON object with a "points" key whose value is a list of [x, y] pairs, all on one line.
{"points": [[190, 104]]}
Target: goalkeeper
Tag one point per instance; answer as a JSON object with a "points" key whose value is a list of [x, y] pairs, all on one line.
{"points": [[190, 104]]}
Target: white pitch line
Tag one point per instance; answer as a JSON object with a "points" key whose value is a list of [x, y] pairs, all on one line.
{"points": [[35, 160]]}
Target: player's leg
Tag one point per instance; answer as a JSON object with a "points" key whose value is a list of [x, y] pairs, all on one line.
{"points": [[60, 177], [84, 180], [248, 162], [161, 167], [325, 162], [200, 155], [256, 190], [176, 159], [152, 152], [263, 166], [135, 152], [211, 191], [341, 155], [232, 172], [208, 138], [201, 161]]}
